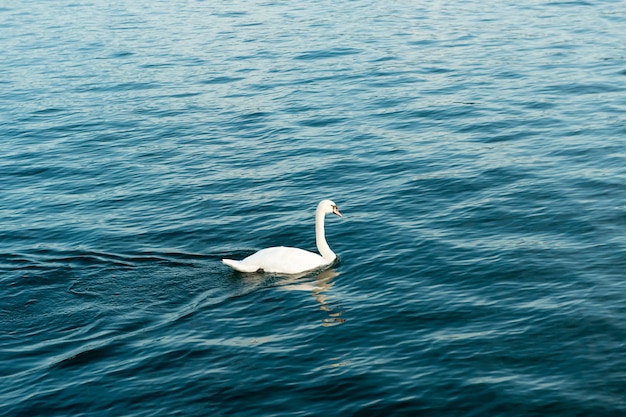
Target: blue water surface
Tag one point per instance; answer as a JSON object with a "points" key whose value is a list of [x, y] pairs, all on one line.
{"points": [[476, 150]]}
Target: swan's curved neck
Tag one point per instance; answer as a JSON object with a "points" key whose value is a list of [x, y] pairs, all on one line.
{"points": [[320, 238]]}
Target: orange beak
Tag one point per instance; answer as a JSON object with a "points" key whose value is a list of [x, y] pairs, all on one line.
{"points": [[336, 211]]}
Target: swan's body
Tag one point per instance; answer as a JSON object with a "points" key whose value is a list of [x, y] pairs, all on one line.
{"points": [[287, 260]]}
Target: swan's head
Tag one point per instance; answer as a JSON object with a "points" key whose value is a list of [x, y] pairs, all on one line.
{"points": [[327, 207]]}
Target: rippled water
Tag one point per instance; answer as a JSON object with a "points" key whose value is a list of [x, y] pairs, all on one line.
{"points": [[476, 149]]}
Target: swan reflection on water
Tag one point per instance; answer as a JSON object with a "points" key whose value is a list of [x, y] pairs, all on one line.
{"points": [[319, 286], [318, 283]]}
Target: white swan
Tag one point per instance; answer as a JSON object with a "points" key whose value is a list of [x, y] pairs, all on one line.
{"points": [[284, 260]]}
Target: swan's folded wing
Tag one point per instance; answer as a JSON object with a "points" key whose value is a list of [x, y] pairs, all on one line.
{"points": [[280, 259], [285, 260]]}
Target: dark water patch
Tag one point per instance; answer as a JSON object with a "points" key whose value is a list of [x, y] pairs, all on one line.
{"points": [[568, 3], [233, 13], [322, 122], [49, 111], [121, 54], [437, 70], [185, 95], [583, 89], [113, 87], [222, 80], [86, 356], [540, 105], [327, 53], [509, 136]]}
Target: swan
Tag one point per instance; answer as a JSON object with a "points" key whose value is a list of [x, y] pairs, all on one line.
{"points": [[286, 260]]}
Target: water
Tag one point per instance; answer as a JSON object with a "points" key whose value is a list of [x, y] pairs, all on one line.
{"points": [[476, 150]]}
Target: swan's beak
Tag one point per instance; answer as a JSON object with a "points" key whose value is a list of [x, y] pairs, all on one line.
{"points": [[336, 211]]}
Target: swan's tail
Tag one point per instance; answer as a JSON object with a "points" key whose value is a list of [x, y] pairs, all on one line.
{"points": [[240, 266]]}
